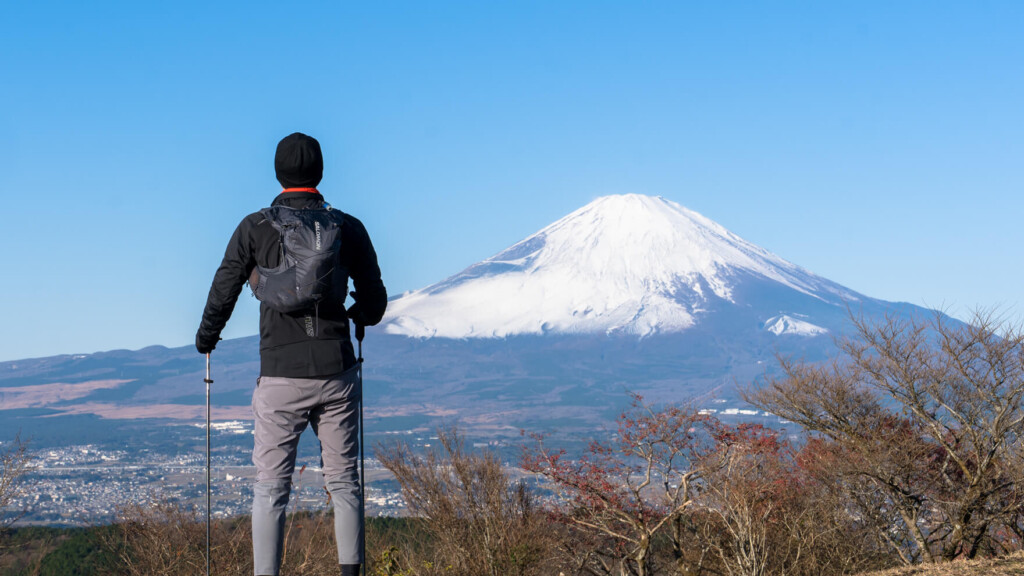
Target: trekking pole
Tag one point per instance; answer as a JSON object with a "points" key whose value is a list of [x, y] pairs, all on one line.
{"points": [[208, 382], [360, 333]]}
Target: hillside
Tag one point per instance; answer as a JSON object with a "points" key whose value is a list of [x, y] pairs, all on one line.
{"points": [[1012, 565], [629, 292]]}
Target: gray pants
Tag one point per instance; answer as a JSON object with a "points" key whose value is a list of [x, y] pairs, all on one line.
{"points": [[283, 407]]}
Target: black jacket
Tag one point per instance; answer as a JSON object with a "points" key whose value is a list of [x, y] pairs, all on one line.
{"points": [[286, 348]]}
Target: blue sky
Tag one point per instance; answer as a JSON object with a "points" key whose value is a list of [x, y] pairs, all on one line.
{"points": [[879, 144]]}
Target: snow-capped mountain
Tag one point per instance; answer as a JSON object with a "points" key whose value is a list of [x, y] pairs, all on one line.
{"points": [[629, 293], [627, 264]]}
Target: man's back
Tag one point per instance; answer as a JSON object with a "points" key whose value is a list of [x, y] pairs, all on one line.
{"points": [[310, 344]]}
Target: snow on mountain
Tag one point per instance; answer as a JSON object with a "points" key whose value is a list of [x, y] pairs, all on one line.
{"points": [[628, 264], [785, 324]]}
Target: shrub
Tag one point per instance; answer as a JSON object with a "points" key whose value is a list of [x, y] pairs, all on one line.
{"points": [[479, 522]]}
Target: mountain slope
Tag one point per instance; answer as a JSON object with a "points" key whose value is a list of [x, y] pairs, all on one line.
{"points": [[628, 293], [627, 264]]}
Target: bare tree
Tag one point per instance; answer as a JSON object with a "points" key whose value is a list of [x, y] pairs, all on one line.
{"points": [[15, 463], [633, 489], [929, 414], [766, 507], [480, 520], [747, 488]]}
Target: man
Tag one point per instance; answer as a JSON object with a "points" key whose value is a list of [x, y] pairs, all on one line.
{"points": [[308, 369]]}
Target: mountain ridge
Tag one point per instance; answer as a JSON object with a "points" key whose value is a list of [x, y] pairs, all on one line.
{"points": [[684, 310], [629, 263]]}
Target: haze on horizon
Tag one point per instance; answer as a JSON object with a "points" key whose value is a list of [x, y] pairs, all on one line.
{"points": [[875, 145]]}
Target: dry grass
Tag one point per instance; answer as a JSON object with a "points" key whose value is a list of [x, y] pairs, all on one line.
{"points": [[39, 395], [196, 412], [1012, 565], [166, 539]]}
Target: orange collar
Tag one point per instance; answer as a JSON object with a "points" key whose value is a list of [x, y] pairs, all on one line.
{"points": [[311, 190]]}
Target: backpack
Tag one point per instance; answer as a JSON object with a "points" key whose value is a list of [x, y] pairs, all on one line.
{"points": [[310, 247]]}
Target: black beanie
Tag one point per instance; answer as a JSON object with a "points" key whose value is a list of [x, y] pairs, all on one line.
{"points": [[298, 162]]}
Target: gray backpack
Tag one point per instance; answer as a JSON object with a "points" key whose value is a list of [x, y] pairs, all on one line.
{"points": [[310, 248]]}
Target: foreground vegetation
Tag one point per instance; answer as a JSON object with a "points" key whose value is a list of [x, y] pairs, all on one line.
{"points": [[912, 460], [55, 551], [1012, 565], [165, 539]]}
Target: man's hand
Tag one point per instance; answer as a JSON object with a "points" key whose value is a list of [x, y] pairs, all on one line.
{"points": [[355, 312], [205, 344]]}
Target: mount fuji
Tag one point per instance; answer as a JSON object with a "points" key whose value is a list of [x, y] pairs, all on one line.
{"points": [[623, 265], [628, 293]]}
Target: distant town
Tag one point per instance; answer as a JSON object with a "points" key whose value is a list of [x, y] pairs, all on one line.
{"points": [[88, 484]]}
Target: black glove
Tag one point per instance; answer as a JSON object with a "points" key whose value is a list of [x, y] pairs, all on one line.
{"points": [[205, 344], [355, 314]]}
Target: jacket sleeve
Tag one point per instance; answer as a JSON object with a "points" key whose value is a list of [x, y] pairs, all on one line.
{"points": [[371, 298], [232, 274]]}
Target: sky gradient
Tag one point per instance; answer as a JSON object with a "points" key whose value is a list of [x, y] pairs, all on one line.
{"points": [[878, 144]]}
